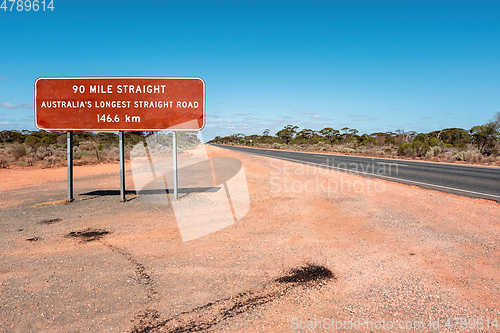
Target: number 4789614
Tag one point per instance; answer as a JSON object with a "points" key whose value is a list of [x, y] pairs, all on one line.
{"points": [[27, 5]]}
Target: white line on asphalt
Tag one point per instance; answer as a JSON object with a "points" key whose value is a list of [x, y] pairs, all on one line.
{"points": [[392, 178], [391, 163]]}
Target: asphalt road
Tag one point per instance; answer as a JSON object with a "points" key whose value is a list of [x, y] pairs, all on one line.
{"points": [[465, 180]]}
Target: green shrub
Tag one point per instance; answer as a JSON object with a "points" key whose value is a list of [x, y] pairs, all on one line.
{"points": [[40, 144], [46, 141], [434, 142], [421, 137], [4, 163], [62, 139], [406, 149], [31, 141], [425, 149], [371, 140], [416, 146], [21, 163], [81, 153]]}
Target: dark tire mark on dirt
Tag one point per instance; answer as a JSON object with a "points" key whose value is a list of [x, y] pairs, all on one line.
{"points": [[142, 276], [89, 235], [204, 317], [149, 315], [146, 318], [51, 221], [33, 239]]}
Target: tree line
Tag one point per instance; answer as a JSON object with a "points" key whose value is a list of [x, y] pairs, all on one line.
{"points": [[47, 138], [486, 138]]}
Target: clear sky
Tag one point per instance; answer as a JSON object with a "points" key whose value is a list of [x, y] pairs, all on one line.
{"points": [[370, 65]]}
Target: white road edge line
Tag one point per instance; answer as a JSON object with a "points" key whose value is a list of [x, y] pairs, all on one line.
{"points": [[391, 163], [391, 178]]}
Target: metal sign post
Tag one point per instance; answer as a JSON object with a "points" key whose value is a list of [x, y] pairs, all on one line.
{"points": [[122, 166], [174, 152], [69, 148]]}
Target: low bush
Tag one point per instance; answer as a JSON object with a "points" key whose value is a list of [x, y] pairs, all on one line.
{"points": [[17, 151], [81, 153], [42, 152], [4, 163], [433, 152], [347, 150]]}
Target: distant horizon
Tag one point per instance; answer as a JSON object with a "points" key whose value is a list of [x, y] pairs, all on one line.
{"points": [[360, 133], [34, 128], [376, 66]]}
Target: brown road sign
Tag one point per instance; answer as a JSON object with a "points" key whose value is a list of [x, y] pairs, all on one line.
{"points": [[120, 103]]}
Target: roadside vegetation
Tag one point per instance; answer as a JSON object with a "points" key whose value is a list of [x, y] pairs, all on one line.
{"points": [[480, 144], [48, 149]]}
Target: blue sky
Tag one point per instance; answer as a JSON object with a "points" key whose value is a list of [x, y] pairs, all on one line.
{"points": [[370, 65]]}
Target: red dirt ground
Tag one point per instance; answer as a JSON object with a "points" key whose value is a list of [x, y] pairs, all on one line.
{"points": [[399, 254]]}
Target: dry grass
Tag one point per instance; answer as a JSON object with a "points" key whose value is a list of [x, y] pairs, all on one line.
{"points": [[86, 153]]}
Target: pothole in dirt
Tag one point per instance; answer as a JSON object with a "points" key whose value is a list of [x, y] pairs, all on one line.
{"points": [[51, 221], [89, 235]]}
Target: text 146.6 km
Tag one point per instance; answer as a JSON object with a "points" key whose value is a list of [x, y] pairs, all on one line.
{"points": [[27, 5], [107, 118]]}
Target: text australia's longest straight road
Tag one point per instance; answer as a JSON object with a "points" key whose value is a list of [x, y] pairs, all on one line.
{"points": [[466, 180]]}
